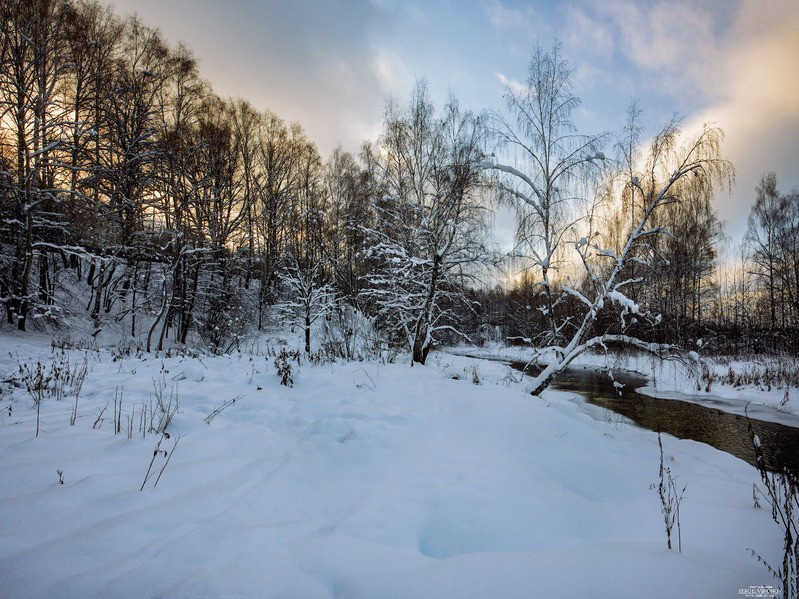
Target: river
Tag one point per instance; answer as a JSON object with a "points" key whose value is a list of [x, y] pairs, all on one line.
{"points": [[683, 419]]}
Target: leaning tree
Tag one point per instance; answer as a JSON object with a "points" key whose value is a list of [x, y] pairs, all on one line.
{"points": [[563, 187]]}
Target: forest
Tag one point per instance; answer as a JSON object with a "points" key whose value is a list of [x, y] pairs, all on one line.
{"points": [[132, 195], [233, 366]]}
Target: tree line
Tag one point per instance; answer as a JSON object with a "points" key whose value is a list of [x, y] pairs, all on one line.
{"points": [[122, 169], [130, 189], [710, 292]]}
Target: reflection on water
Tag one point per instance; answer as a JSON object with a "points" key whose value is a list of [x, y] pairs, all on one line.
{"points": [[685, 420]]}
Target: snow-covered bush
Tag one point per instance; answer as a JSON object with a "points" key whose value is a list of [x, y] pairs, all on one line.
{"points": [[349, 334], [306, 297], [283, 366]]}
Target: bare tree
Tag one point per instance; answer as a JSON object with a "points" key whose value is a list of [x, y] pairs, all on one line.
{"points": [[280, 154], [349, 215], [553, 162], [92, 36], [246, 124], [35, 62], [309, 298], [663, 181], [774, 251], [431, 227], [763, 235]]}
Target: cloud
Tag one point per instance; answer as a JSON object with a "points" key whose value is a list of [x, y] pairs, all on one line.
{"points": [[503, 17], [658, 47], [583, 35], [305, 60], [513, 84], [391, 73], [332, 65], [756, 103], [735, 64]]}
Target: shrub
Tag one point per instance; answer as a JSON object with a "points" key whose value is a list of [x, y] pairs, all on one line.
{"points": [[283, 366]]}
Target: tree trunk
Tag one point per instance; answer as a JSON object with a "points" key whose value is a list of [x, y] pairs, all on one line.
{"points": [[45, 291], [189, 310], [164, 302], [307, 333], [97, 290], [22, 311], [133, 298], [544, 380], [421, 336]]}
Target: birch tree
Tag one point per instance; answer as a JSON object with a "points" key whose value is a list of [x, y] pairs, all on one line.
{"points": [[280, 154], [553, 162], [604, 313], [773, 241], [347, 191], [431, 227]]}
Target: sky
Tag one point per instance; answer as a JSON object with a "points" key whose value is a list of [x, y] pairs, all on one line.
{"points": [[332, 64]]}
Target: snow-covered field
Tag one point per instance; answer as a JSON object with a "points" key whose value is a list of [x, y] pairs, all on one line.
{"points": [[362, 480]]}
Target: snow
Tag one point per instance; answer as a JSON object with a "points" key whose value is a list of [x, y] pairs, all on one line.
{"points": [[607, 253], [676, 380], [578, 295], [624, 301], [362, 480]]}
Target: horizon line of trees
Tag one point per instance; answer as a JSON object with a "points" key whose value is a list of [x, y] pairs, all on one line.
{"points": [[128, 186]]}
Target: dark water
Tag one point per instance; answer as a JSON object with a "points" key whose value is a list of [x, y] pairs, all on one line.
{"points": [[682, 419]]}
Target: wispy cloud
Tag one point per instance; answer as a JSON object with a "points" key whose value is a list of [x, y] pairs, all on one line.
{"points": [[756, 102], [504, 17], [512, 84], [735, 64], [307, 61]]}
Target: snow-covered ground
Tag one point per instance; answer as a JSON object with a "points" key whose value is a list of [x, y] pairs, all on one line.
{"points": [[363, 480]]}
